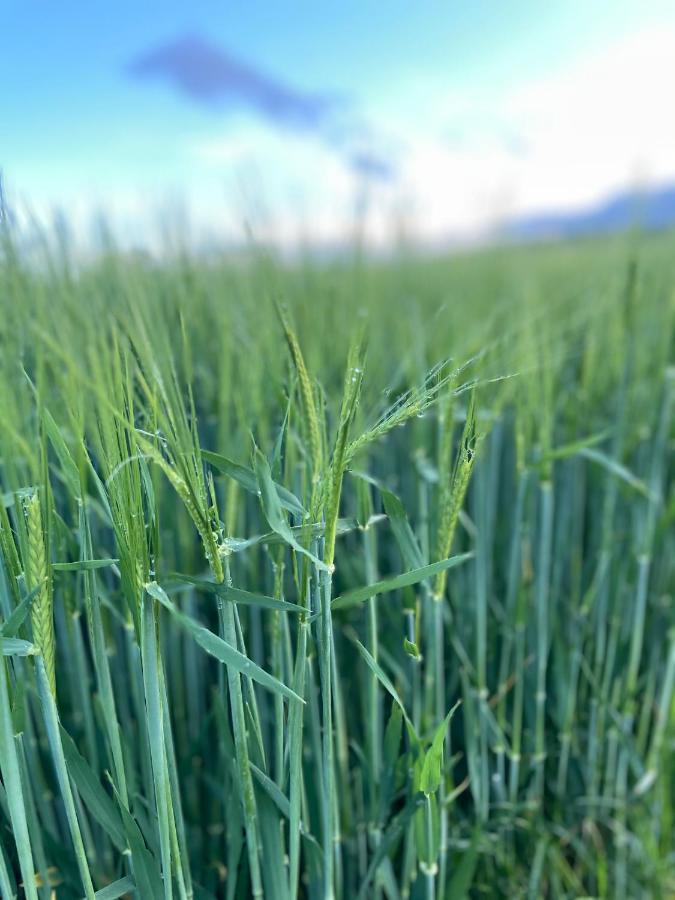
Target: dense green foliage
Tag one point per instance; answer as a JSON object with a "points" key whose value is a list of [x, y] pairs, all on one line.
{"points": [[341, 580]]}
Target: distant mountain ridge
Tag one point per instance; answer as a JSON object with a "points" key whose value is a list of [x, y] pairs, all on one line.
{"points": [[650, 209]]}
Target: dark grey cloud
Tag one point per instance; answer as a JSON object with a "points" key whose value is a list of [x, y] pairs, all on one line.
{"points": [[210, 75]]}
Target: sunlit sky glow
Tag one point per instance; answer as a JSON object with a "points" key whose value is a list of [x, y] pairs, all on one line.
{"points": [[448, 118]]}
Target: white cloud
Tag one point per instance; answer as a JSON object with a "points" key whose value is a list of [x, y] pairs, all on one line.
{"points": [[605, 123], [602, 124]]}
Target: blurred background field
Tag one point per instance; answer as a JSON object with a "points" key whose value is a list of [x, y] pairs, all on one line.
{"points": [[509, 411]]}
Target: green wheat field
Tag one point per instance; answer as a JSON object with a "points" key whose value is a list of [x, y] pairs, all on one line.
{"points": [[348, 578]]}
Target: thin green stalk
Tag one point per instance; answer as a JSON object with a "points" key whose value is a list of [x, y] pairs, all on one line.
{"points": [[512, 590], [153, 702], [11, 777], [543, 632], [178, 834], [51, 720], [295, 725], [101, 662], [328, 763], [229, 634], [373, 703], [350, 396]]}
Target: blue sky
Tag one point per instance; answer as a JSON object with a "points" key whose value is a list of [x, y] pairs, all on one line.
{"points": [[450, 116]]}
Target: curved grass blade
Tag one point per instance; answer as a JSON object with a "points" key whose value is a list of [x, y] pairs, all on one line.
{"points": [[273, 791], [236, 595], [83, 565], [69, 470], [398, 520], [430, 777], [247, 479], [358, 595], [617, 469], [383, 678], [146, 869], [221, 650], [11, 626], [300, 533], [17, 647], [269, 500], [116, 889], [97, 801]]}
